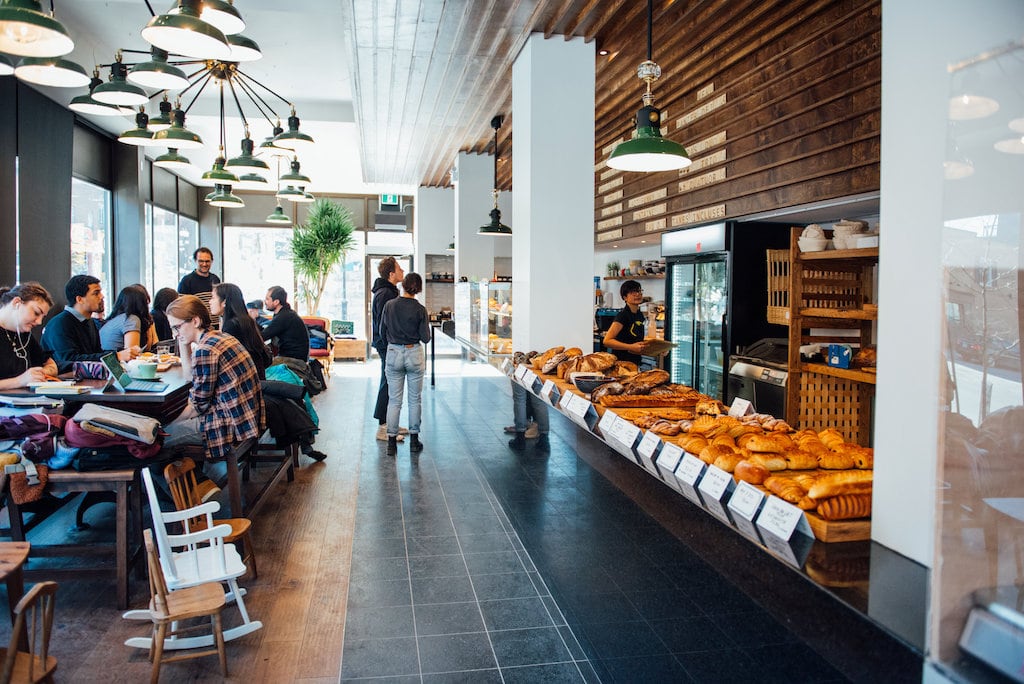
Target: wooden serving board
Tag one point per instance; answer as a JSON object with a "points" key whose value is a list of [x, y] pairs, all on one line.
{"points": [[839, 530]]}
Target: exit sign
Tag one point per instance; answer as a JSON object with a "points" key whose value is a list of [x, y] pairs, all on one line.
{"points": [[389, 200]]}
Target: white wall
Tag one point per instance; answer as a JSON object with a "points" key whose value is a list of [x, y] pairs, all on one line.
{"points": [[474, 254], [434, 219]]}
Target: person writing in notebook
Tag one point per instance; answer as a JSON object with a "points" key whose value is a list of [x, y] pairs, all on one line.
{"points": [[22, 359]]}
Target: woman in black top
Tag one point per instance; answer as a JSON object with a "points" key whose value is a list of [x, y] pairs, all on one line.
{"points": [[227, 302], [625, 337], [164, 296], [404, 325], [22, 359]]}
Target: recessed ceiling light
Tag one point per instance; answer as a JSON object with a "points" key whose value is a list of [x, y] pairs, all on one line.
{"points": [[602, 52]]}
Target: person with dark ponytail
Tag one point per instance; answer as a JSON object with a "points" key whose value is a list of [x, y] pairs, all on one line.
{"points": [[163, 297], [22, 359], [129, 324], [227, 302]]}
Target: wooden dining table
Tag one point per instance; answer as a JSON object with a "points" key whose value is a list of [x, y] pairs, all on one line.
{"points": [[12, 561]]}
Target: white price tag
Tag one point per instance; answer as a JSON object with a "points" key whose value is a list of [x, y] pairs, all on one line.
{"points": [[520, 371], [549, 392], [740, 408], [581, 412], [627, 433], [565, 401], [715, 483], [529, 379], [715, 507], [782, 519], [607, 425], [690, 470], [668, 460], [746, 501], [650, 445], [507, 367], [747, 528]]}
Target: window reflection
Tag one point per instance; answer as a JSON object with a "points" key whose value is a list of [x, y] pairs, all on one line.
{"points": [[90, 231]]}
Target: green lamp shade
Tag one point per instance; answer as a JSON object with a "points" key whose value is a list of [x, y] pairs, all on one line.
{"points": [[290, 193], [495, 227], [219, 13], [51, 71], [6, 67], [244, 49], [451, 246], [118, 91], [26, 31], [172, 160], [251, 181], [184, 33], [222, 197], [163, 120], [157, 74], [85, 104], [246, 162], [648, 151], [295, 177], [279, 216], [294, 139], [140, 136], [218, 175], [302, 198], [177, 136]]}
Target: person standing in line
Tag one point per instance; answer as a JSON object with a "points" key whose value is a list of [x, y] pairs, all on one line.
{"points": [[22, 359], [200, 282], [385, 288], [405, 325]]}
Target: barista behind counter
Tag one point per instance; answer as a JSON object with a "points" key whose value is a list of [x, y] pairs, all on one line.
{"points": [[625, 336]]}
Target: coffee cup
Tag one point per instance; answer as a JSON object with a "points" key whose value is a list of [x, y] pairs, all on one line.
{"points": [[143, 370]]}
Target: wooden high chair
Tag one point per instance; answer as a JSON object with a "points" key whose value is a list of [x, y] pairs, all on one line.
{"points": [[34, 665], [181, 478]]}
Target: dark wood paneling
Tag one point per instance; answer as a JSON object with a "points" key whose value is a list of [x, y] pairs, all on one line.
{"points": [[8, 151], [44, 189], [165, 189], [130, 172], [90, 159]]}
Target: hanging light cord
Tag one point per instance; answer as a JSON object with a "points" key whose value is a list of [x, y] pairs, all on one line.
{"points": [[650, 22], [151, 12], [496, 156]]}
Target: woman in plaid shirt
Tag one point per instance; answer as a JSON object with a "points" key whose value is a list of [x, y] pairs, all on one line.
{"points": [[225, 404]]}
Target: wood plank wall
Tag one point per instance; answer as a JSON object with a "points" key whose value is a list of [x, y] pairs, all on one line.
{"points": [[778, 104]]}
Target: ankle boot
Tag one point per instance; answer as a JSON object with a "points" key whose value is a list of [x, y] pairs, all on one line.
{"points": [[414, 443], [519, 443], [392, 445], [542, 443]]}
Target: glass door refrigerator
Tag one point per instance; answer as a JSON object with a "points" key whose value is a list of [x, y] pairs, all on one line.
{"points": [[716, 294]]}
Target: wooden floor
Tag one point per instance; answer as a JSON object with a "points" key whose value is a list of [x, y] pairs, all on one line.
{"points": [[303, 538]]}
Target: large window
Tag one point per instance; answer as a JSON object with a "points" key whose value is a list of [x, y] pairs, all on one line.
{"points": [[169, 243], [90, 232]]}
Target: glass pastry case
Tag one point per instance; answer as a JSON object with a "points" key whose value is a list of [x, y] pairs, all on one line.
{"points": [[483, 316]]}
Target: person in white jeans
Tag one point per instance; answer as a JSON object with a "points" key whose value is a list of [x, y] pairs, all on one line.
{"points": [[405, 326]]}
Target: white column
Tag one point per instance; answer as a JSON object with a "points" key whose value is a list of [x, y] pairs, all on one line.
{"points": [[553, 200], [434, 218], [474, 254]]}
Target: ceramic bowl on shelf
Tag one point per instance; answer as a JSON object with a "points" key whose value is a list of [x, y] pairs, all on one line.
{"points": [[588, 382], [812, 244]]}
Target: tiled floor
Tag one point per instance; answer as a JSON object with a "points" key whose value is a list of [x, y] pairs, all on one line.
{"points": [[474, 563]]}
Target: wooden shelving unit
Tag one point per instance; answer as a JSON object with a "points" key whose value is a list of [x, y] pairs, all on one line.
{"points": [[659, 276], [829, 290]]}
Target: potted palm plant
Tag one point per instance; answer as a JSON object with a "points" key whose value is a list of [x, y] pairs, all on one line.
{"points": [[318, 245]]}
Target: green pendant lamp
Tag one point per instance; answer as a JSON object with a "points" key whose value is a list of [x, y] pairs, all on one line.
{"points": [[648, 151], [157, 74], [290, 193], [173, 161], [177, 136], [269, 147], [279, 217], [223, 197], [163, 120], [219, 13], [118, 91], [495, 227], [185, 33], [451, 245], [244, 49], [247, 162], [294, 139], [51, 71], [251, 181], [218, 175], [85, 104], [295, 177], [26, 31], [140, 136]]}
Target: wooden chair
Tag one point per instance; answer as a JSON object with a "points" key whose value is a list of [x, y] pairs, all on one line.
{"points": [[181, 478], [35, 665], [326, 356], [167, 609], [202, 557]]}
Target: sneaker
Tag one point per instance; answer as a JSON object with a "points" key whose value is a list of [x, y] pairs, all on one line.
{"points": [[382, 434], [532, 431], [206, 490], [510, 429], [403, 431]]}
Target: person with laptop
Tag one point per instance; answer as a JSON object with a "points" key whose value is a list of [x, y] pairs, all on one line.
{"points": [[22, 359], [286, 325], [72, 335], [225, 403]]}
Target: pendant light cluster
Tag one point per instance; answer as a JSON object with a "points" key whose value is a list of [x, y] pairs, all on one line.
{"points": [[192, 44], [26, 31], [648, 151], [495, 227]]}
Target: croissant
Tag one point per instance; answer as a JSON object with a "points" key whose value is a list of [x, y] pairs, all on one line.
{"points": [[728, 462], [845, 507], [785, 488]]}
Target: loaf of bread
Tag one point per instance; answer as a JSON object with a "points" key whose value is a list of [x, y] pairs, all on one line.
{"points": [[772, 462], [785, 488], [622, 369], [597, 362], [570, 365], [573, 351], [552, 364], [728, 462], [539, 360], [845, 507], [643, 383], [642, 401], [797, 459], [751, 472], [710, 407], [848, 482], [830, 460]]}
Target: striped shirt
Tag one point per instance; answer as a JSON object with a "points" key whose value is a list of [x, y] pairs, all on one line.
{"points": [[225, 392]]}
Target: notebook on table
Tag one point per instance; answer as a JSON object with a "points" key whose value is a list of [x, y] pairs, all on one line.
{"points": [[123, 382]]}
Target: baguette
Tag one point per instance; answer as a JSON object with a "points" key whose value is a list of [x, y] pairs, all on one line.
{"points": [[644, 401], [751, 472], [845, 507], [834, 484]]}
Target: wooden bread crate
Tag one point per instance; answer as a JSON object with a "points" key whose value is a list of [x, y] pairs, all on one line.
{"points": [[778, 286], [827, 401]]}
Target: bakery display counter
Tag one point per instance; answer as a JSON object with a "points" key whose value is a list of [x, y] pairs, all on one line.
{"points": [[483, 317]]}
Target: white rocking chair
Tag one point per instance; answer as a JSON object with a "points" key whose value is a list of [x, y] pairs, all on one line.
{"points": [[202, 557]]}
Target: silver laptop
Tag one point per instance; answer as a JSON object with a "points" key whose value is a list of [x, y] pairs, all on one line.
{"points": [[123, 382]]}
